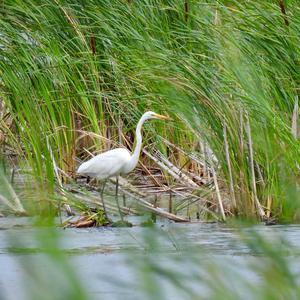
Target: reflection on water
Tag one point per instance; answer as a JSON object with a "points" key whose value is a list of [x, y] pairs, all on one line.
{"points": [[115, 262]]}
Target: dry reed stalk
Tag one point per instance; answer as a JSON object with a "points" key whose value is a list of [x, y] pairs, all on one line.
{"points": [[166, 165], [55, 168], [90, 199], [218, 193], [135, 194], [120, 132], [193, 157], [93, 135], [215, 180], [58, 178], [202, 206], [206, 159], [261, 178], [189, 155], [232, 194], [5, 121], [255, 200], [217, 20], [69, 152], [151, 176], [148, 206], [241, 155]]}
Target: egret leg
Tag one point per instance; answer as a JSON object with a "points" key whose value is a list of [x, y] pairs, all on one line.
{"points": [[102, 200], [117, 200]]}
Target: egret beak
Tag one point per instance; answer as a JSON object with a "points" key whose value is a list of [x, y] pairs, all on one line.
{"points": [[161, 117]]}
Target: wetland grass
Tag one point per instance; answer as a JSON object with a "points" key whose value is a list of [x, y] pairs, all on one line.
{"points": [[71, 71]]}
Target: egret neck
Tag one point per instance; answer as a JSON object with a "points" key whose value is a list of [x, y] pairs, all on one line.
{"points": [[138, 144]]}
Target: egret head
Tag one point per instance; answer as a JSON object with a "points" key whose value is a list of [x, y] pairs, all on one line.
{"points": [[152, 115]]}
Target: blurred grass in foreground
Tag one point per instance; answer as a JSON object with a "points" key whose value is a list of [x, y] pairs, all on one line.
{"points": [[255, 265], [71, 68]]}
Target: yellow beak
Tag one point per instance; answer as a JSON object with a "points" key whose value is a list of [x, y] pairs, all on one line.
{"points": [[162, 117]]}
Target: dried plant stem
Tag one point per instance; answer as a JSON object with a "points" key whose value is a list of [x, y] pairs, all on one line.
{"points": [[260, 210], [202, 163], [218, 193], [148, 206], [83, 197], [58, 177], [54, 164], [138, 196], [217, 188], [232, 194], [166, 165]]}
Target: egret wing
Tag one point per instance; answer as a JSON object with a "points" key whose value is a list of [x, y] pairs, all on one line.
{"points": [[105, 165]]}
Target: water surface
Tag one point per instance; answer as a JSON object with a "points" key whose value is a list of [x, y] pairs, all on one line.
{"points": [[116, 262]]}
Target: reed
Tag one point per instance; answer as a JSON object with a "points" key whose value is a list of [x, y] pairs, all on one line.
{"points": [[72, 67]]}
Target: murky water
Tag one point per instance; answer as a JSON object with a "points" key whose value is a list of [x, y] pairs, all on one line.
{"points": [[115, 263]]}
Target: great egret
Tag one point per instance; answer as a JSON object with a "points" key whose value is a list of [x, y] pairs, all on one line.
{"points": [[117, 161]]}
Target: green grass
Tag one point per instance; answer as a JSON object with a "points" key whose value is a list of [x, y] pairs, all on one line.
{"points": [[87, 65]]}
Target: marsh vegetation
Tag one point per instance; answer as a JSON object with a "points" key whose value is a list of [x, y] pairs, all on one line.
{"points": [[76, 76]]}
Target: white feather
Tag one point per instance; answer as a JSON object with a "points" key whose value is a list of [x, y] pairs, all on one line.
{"points": [[107, 164], [117, 161]]}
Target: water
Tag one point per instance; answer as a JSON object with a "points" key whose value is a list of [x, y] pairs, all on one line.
{"points": [[171, 261]]}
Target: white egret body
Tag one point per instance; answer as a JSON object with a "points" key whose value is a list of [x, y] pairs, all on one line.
{"points": [[108, 164], [117, 161]]}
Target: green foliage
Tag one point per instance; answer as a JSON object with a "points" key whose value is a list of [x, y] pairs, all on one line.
{"points": [[75, 66]]}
